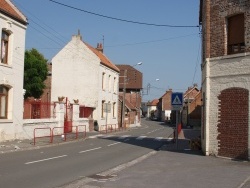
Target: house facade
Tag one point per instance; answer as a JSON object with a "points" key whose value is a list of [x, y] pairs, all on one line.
{"points": [[13, 25], [84, 74], [191, 102], [130, 86], [225, 78], [164, 106], [152, 109]]}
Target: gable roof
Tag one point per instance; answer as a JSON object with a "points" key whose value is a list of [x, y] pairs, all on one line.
{"points": [[104, 60], [167, 92], [189, 93], [128, 105], [153, 102], [9, 9]]}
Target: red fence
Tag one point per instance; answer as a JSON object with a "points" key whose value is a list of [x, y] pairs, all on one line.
{"points": [[38, 110], [78, 133], [110, 128]]}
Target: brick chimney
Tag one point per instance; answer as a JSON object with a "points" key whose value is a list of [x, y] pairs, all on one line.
{"points": [[99, 47]]}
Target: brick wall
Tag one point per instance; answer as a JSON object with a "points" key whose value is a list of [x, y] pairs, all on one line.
{"points": [[233, 123], [214, 22]]}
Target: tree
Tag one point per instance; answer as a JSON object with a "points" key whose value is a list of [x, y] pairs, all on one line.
{"points": [[35, 73]]}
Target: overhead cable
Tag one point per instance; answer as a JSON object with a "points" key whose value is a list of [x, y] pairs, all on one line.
{"points": [[122, 20]]}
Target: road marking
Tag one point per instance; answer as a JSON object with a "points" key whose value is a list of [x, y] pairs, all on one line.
{"points": [[46, 159], [158, 138], [90, 150], [140, 137], [155, 130], [106, 136], [95, 136], [114, 143], [124, 136]]}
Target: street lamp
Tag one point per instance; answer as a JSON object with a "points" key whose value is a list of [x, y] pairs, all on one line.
{"points": [[124, 92]]}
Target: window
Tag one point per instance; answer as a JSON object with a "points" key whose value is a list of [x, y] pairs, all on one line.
{"points": [[3, 101], [114, 85], [103, 81], [4, 47], [114, 109], [236, 34], [103, 103], [109, 82]]}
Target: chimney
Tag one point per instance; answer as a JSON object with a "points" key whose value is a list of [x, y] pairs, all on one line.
{"points": [[78, 36], [99, 47]]}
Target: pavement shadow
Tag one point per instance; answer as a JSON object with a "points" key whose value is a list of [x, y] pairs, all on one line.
{"points": [[158, 145]]}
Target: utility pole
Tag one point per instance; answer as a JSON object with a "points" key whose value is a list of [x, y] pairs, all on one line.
{"points": [[124, 93]]}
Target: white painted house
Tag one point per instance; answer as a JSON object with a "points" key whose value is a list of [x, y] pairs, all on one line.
{"points": [[82, 72], [13, 26]]}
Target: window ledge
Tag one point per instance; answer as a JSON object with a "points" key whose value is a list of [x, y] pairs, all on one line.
{"points": [[5, 65], [6, 121], [231, 56]]}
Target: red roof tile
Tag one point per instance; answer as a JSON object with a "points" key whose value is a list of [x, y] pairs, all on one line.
{"points": [[153, 102], [104, 60], [8, 8], [127, 103]]}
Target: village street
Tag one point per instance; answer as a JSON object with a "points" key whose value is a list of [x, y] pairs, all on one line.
{"points": [[58, 165]]}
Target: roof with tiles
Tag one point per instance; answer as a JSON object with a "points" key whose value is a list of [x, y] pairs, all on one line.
{"points": [[127, 103], [191, 92], [167, 92], [134, 77], [104, 60], [9, 9], [153, 102]]}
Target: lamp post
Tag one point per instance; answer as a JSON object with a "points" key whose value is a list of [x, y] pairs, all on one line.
{"points": [[124, 93]]}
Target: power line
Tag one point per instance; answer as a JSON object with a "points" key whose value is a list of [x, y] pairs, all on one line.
{"points": [[197, 60], [152, 41], [122, 20]]}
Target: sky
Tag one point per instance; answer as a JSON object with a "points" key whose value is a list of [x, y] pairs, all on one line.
{"points": [[132, 31]]}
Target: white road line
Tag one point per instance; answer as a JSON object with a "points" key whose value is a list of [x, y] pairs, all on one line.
{"points": [[155, 130], [124, 136], [114, 143], [46, 159], [158, 138], [90, 150], [141, 137], [106, 136]]}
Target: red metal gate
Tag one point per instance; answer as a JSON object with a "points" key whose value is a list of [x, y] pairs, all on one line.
{"points": [[68, 117]]}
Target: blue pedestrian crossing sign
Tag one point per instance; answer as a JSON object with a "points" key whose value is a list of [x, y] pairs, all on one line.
{"points": [[176, 101]]}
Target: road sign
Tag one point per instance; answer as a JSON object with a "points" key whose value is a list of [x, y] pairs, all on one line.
{"points": [[107, 107], [177, 101]]}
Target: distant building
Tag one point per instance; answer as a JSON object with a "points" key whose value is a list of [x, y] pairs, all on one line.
{"points": [[187, 111], [225, 78], [164, 106], [152, 109], [132, 82]]}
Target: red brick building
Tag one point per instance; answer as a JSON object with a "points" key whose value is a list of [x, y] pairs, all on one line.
{"points": [[130, 85], [225, 77]]}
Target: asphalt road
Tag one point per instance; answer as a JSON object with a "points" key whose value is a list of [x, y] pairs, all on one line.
{"points": [[58, 165]]}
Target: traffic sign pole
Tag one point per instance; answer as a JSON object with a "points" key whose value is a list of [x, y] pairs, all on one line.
{"points": [[176, 103], [176, 129]]}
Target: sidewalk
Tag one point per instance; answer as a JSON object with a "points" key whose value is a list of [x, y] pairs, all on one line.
{"points": [[172, 168]]}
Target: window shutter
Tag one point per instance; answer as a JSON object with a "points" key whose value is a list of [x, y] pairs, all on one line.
{"points": [[236, 29]]}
